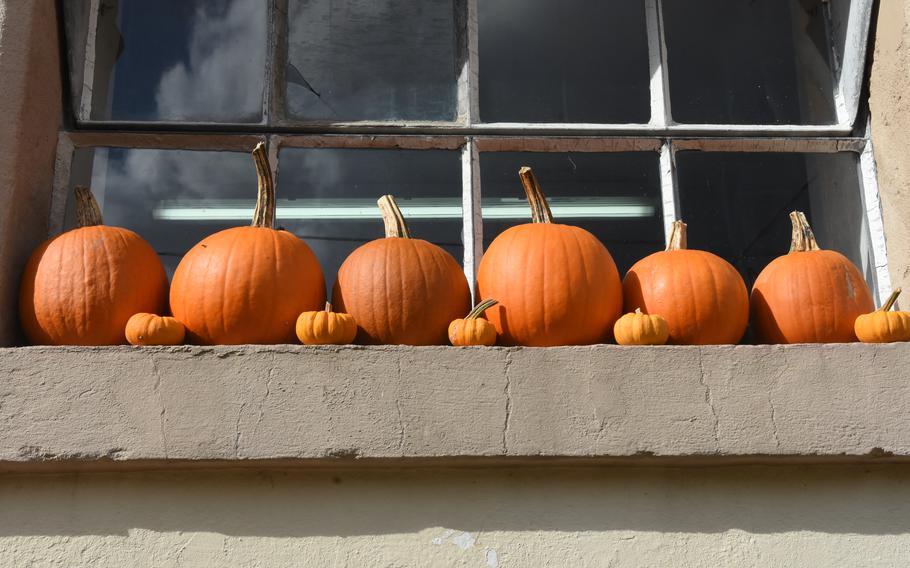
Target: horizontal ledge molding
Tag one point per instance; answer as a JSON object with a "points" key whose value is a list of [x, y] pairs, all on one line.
{"points": [[65, 408]]}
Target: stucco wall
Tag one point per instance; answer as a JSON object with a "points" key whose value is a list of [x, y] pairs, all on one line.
{"points": [[890, 105], [768, 516]]}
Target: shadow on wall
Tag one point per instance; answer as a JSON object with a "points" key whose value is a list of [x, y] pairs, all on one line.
{"points": [[760, 500]]}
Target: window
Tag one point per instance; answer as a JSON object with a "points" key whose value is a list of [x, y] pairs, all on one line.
{"points": [[726, 113]]}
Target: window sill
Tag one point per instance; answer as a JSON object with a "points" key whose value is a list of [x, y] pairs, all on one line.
{"points": [[119, 408]]}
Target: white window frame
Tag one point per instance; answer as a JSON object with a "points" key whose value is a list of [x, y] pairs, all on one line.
{"points": [[471, 137]]}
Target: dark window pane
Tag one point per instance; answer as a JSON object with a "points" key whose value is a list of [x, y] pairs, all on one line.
{"points": [[737, 205], [615, 196], [334, 192], [748, 62], [327, 197], [371, 60], [170, 60], [569, 61]]}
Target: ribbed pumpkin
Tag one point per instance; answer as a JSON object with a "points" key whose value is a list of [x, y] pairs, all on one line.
{"points": [[638, 328], [401, 290], [82, 286], [473, 329], [556, 284], [702, 297], [326, 327], [151, 329], [883, 325], [809, 295], [247, 284]]}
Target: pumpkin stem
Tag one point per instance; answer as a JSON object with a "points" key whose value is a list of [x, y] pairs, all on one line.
{"points": [[679, 240], [638, 311], [480, 308], [540, 209], [395, 225], [802, 239], [88, 214], [328, 306], [264, 216], [891, 299]]}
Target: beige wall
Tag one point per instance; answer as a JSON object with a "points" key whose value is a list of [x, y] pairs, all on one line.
{"points": [[771, 516], [890, 105]]}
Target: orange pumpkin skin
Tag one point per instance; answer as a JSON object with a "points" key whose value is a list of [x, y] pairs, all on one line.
{"points": [[556, 285], [246, 285], [809, 295], [401, 291], [326, 328], [81, 287], [702, 297], [151, 329]]}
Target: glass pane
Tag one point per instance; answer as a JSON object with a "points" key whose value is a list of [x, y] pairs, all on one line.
{"points": [[371, 60], [748, 62], [569, 61], [615, 196], [327, 197], [737, 205], [331, 194], [171, 60]]}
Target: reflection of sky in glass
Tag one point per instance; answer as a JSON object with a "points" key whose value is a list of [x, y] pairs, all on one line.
{"points": [[566, 61], [737, 205], [135, 186], [747, 62], [195, 60], [371, 60], [583, 177]]}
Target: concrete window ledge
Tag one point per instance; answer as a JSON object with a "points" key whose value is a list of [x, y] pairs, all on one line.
{"points": [[117, 408]]}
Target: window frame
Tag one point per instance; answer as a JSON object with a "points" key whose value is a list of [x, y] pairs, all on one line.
{"points": [[471, 137]]}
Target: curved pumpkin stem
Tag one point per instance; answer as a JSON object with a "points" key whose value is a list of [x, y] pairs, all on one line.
{"points": [[264, 216], [891, 299], [540, 209], [678, 238], [88, 214], [802, 239], [480, 308], [392, 218]]}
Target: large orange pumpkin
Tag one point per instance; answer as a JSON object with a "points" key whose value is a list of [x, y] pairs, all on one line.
{"points": [[401, 290], [809, 295], [247, 284], [556, 284], [81, 287], [702, 297]]}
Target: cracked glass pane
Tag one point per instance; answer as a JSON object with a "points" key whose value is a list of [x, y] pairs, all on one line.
{"points": [[737, 205], [616, 196], [748, 62], [371, 60], [568, 61], [170, 60]]}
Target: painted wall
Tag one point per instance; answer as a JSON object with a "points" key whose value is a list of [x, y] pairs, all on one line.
{"points": [[890, 105], [734, 516]]}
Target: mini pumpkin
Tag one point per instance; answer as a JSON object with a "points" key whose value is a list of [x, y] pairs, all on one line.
{"points": [[637, 328], [151, 329], [473, 329], [883, 325], [247, 284], [556, 284], [82, 286], [326, 327], [702, 297], [809, 295], [401, 290]]}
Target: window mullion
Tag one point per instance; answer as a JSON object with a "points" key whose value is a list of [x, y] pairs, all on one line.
{"points": [[466, 33], [669, 187], [873, 211], [852, 66], [273, 99], [472, 231], [657, 51]]}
